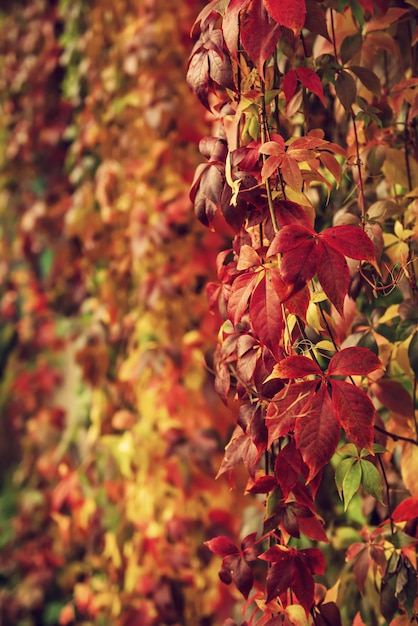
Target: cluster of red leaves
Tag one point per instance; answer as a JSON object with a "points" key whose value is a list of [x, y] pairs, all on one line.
{"points": [[290, 360]]}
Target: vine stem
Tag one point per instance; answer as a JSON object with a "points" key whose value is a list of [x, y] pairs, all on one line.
{"points": [[360, 175], [395, 437], [406, 141], [264, 138], [387, 486], [333, 35]]}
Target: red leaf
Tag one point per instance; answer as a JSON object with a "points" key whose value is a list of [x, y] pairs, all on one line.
{"points": [[311, 81], [311, 527], [277, 554], [334, 276], [290, 14], [350, 241], [289, 85], [288, 212], [240, 449], [314, 559], [293, 569], [247, 547], [331, 164], [288, 467], [355, 411], [222, 546], [297, 367], [406, 510], [393, 396], [263, 484], [234, 568], [299, 263], [279, 579], [198, 75], [266, 314], [291, 173], [259, 48], [206, 191], [270, 166], [230, 25], [242, 289], [353, 362], [298, 303], [290, 403], [318, 433], [315, 20], [380, 23]]}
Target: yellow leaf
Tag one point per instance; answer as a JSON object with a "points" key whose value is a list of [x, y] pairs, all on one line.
{"points": [[295, 615], [395, 170], [409, 467], [332, 593], [111, 549], [396, 249]]}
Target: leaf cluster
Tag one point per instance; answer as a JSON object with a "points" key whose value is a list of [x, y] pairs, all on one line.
{"points": [[315, 178]]}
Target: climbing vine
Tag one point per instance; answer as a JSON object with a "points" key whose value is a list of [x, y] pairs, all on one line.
{"points": [[312, 168]]}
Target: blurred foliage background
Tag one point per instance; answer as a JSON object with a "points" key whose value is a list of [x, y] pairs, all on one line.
{"points": [[111, 433]]}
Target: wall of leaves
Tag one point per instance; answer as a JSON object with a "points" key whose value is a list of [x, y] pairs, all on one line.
{"points": [[111, 433]]}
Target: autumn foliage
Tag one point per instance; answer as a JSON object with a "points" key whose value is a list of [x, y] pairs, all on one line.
{"points": [[112, 433], [312, 168], [208, 419]]}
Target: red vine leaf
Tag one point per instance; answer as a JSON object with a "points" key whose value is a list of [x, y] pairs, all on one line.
{"points": [[393, 396], [256, 20], [235, 562], [304, 253], [206, 191], [266, 312], [315, 20], [334, 276], [297, 366], [286, 406], [293, 569], [350, 241], [355, 411], [222, 546], [311, 81], [231, 25], [317, 435], [240, 449], [353, 362], [406, 510], [242, 289], [290, 14]]}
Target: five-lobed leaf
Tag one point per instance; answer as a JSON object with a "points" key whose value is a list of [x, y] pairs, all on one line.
{"points": [[306, 253], [293, 569]]}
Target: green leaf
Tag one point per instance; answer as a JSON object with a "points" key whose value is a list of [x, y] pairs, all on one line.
{"points": [[351, 483], [358, 12], [371, 480], [348, 479], [368, 341], [45, 262], [348, 450], [403, 330]]}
